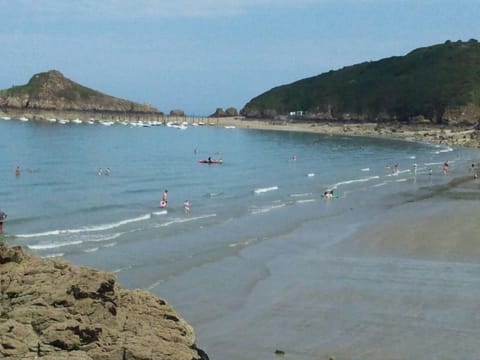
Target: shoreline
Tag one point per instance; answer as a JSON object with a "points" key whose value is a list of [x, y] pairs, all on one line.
{"points": [[455, 135], [465, 136]]}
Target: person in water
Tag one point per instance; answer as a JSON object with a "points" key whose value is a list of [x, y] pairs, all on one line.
{"points": [[107, 171], [328, 194], [17, 171], [165, 196], [99, 172], [445, 167], [3, 217], [186, 206], [209, 160]]}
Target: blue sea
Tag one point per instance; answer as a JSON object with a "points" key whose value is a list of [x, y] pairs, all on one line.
{"points": [[262, 261]]}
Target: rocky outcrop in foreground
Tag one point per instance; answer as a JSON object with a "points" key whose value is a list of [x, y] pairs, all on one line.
{"points": [[50, 309]]}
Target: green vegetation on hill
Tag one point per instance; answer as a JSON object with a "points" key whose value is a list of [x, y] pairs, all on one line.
{"points": [[52, 91], [36, 87], [426, 82]]}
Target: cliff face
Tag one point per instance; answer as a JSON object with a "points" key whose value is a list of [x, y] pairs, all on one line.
{"points": [[53, 310], [52, 91]]}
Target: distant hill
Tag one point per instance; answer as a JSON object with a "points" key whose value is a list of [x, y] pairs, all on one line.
{"points": [[53, 92], [439, 83]]}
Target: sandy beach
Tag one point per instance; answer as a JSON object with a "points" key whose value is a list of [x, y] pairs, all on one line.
{"points": [[435, 134]]}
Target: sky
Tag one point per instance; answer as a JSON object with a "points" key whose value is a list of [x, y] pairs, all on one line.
{"points": [[199, 55]]}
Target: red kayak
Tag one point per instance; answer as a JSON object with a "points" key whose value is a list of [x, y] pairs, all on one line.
{"points": [[212, 161]]}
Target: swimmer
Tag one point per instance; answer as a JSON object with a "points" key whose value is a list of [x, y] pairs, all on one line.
{"points": [[445, 167], [165, 196], [3, 216], [99, 172], [107, 171], [17, 171], [186, 206], [328, 194]]}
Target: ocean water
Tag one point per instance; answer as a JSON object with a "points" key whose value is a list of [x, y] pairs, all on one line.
{"points": [[262, 261]]}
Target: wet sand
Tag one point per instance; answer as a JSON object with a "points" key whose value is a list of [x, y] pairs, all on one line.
{"points": [[437, 224], [403, 286]]}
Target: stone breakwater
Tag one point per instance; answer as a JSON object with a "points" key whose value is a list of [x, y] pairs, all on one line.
{"points": [[50, 309]]}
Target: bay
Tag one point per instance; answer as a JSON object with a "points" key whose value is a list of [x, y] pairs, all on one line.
{"points": [[262, 261]]}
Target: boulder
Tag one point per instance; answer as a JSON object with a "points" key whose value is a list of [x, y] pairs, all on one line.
{"points": [[52, 310], [219, 112], [231, 111], [177, 112]]}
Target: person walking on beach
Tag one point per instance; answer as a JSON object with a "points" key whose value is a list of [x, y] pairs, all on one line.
{"points": [[3, 217]]}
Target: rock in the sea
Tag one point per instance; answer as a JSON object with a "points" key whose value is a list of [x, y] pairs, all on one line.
{"points": [[219, 112], [231, 111], [53, 310], [177, 112]]}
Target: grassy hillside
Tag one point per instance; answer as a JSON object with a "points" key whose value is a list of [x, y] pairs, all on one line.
{"points": [[425, 82]]}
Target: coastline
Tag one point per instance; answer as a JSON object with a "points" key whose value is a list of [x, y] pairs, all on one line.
{"points": [[465, 136], [454, 135]]}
